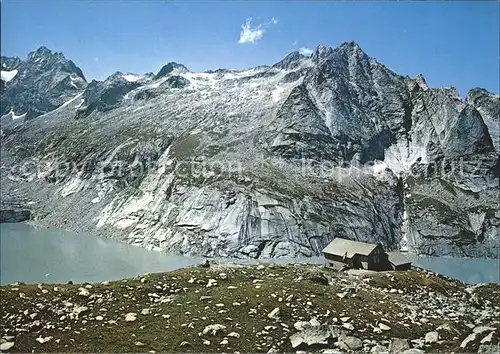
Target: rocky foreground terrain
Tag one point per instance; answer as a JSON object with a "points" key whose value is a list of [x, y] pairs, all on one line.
{"points": [[271, 161], [259, 308]]}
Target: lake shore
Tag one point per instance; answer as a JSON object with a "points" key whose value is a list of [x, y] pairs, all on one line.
{"points": [[81, 257], [254, 308]]}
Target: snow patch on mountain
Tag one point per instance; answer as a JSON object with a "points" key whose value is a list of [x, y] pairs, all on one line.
{"points": [[69, 101], [8, 75], [73, 82], [14, 117], [82, 101], [200, 80], [401, 156], [131, 78], [379, 167], [66, 103], [277, 93]]}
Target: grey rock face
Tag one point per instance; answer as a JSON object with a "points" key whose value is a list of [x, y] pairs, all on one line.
{"points": [[172, 82], [13, 210], [44, 81], [108, 94], [454, 212], [291, 61], [488, 105], [300, 131], [268, 162], [177, 82], [14, 215], [9, 63]]}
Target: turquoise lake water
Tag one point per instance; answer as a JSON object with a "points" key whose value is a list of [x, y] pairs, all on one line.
{"points": [[34, 254]]}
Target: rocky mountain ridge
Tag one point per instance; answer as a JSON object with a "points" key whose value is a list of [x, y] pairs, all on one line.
{"points": [[41, 83], [267, 162]]}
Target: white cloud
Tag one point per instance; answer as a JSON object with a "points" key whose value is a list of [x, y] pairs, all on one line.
{"points": [[305, 51], [251, 34]]}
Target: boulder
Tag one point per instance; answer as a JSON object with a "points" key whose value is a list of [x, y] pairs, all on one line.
{"points": [[130, 317], [379, 349], [302, 325], [489, 349], [432, 337], [350, 343], [398, 345], [384, 327], [6, 346], [213, 329], [274, 314], [488, 338], [482, 329], [471, 338], [310, 337]]}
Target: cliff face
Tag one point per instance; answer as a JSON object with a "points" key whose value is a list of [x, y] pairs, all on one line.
{"points": [[267, 162]]}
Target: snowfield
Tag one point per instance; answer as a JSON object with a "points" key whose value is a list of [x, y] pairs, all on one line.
{"points": [[131, 78], [8, 75]]}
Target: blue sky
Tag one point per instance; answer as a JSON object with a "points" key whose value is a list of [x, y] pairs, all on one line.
{"points": [[450, 43]]}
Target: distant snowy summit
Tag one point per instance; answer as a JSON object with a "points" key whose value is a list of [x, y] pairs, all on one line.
{"points": [[39, 84]]}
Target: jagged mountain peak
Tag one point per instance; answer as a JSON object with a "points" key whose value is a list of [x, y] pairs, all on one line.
{"points": [[320, 52], [478, 91], [170, 67], [42, 82], [344, 50], [117, 75], [44, 52], [120, 76], [351, 49], [321, 48], [291, 61], [350, 45], [420, 79], [44, 59]]}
